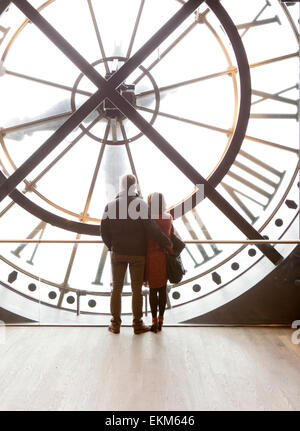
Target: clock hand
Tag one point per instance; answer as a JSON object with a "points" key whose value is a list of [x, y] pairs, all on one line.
{"points": [[49, 120], [106, 87]]}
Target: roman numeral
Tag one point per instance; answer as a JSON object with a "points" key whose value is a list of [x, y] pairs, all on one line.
{"points": [[3, 33], [278, 98], [247, 189], [100, 269], [101, 265], [258, 22], [65, 283], [206, 253], [38, 230]]}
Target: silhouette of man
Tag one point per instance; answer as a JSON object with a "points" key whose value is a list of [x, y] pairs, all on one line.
{"points": [[125, 222]]}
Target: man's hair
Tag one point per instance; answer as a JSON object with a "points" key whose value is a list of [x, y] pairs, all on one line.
{"points": [[128, 182]]}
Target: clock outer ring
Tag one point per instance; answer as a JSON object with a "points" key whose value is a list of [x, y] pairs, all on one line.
{"points": [[220, 172]]}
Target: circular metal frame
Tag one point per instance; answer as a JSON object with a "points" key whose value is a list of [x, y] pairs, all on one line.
{"points": [[220, 171], [137, 136]]}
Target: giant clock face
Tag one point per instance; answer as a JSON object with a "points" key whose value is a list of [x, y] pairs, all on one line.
{"points": [[221, 90]]}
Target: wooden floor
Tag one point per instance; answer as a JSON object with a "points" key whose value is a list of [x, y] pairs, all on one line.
{"points": [[50, 368]]}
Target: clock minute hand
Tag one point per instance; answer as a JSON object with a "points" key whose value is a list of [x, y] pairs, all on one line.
{"points": [[105, 87]]}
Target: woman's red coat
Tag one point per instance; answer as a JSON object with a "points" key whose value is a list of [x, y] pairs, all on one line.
{"points": [[156, 271]]}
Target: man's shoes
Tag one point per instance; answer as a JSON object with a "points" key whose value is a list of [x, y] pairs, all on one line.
{"points": [[140, 328], [114, 329]]}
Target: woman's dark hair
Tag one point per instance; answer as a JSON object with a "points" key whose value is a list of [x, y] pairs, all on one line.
{"points": [[156, 203]]}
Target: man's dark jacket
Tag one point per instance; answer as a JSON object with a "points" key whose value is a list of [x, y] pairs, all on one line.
{"points": [[125, 235]]}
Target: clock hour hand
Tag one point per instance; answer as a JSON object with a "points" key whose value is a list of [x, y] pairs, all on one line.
{"points": [[48, 120]]}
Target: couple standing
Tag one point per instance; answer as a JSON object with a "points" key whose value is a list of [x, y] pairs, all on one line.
{"points": [[138, 236]]}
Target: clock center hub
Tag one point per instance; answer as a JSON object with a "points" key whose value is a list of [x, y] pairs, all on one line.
{"points": [[94, 125], [109, 109]]}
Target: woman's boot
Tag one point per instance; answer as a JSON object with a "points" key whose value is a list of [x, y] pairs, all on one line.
{"points": [[160, 322], [154, 325]]}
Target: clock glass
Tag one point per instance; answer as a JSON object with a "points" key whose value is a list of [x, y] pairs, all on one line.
{"points": [[190, 88]]}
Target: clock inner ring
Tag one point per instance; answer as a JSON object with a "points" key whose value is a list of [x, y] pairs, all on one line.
{"points": [[106, 111]]}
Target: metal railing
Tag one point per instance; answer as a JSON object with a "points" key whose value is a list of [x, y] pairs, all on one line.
{"points": [[80, 292], [189, 241]]}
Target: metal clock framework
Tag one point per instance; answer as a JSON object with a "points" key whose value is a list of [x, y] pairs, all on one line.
{"points": [[206, 93]]}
